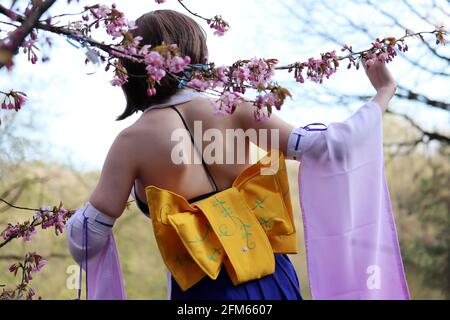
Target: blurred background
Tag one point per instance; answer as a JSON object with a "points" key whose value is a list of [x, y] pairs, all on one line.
{"points": [[53, 149]]}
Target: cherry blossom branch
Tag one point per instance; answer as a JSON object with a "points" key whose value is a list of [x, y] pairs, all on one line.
{"points": [[385, 43], [67, 15], [45, 217], [32, 263], [232, 81], [188, 10], [217, 23], [17, 38], [12, 100], [63, 31]]}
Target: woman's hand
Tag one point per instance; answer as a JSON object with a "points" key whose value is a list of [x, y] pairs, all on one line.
{"points": [[381, 79]]}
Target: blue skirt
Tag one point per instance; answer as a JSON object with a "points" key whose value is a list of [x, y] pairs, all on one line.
{"points": [[283, 284]]}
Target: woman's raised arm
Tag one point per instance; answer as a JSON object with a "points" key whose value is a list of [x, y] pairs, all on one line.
{"points": [[383, 82], [294, 140]]}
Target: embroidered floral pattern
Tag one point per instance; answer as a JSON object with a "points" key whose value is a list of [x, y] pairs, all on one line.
{"points": [[260, 203], [237, 222], [215, 252]]}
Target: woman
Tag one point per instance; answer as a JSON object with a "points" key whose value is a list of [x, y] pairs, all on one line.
{"points": [[141, 161]]}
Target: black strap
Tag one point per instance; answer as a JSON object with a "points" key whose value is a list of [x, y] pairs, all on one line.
{"points": [[141, 204], [195, 146]]}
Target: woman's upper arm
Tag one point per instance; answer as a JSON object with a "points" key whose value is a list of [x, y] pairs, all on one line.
{"points": [[275, 127], [117, 177]]}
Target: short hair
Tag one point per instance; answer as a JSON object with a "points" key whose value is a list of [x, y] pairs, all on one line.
{"points": [[156, 27]]}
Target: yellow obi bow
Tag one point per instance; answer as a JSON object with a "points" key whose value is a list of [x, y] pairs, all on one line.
{"points": [[241, 226]]}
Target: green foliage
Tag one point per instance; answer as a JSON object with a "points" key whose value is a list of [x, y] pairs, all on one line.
{"points": [[427, 251]]}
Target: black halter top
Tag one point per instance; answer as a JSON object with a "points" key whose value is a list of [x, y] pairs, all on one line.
{"points": [[142, 205]]}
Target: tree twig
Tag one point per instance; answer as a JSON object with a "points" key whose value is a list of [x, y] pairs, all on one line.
{"points": [[28, 24]]}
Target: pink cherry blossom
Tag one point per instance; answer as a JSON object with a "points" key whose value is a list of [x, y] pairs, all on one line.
{"points": [[267, 100], [119, 79], [260, 115], [9, 231], [154, 59], [101, 11], [42, 262], [12, 268], [154, 73], [151, 92], [220, 73], [260, 72], [31, 293], [241, 74], [177, 64], [227, 103], [198, 84], [377, 44], [347, 47], [383, 57], [218, 24]]}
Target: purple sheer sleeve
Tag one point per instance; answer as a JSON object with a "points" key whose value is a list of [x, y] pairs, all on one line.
{"points": [[91, 244], [351, 239]]}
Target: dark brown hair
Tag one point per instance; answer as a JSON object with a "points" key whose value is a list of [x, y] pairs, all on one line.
{"points": [[156, 27]]}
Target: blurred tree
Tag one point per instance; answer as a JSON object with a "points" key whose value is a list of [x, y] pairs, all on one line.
{"points": [[430, 202], [19, 143], [417, 126]]}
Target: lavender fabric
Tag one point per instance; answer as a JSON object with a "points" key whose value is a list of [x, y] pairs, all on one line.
{"points": [[350, 234], [91, 244], [104, 278], [351, 239]]}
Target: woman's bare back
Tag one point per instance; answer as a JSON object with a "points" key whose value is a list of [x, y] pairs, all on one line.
{"points": [[153, 132], [142, 153]]}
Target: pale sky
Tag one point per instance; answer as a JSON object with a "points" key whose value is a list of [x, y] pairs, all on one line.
{"points": [[77, 111]]}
